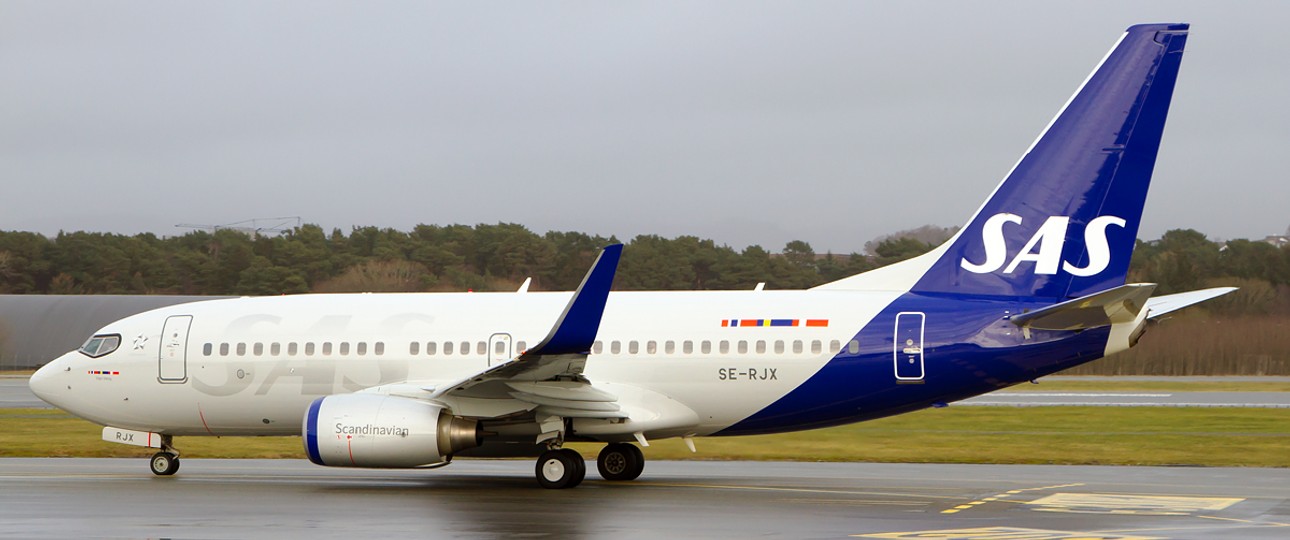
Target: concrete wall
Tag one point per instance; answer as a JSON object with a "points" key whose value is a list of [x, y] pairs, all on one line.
{"points": [[35, 329]]}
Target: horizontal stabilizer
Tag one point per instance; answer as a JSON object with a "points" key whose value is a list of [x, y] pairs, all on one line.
{"points": [[1161, 305], [1121, 304]]}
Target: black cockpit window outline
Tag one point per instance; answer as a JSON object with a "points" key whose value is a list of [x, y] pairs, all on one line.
{"points": [[100, 345]]}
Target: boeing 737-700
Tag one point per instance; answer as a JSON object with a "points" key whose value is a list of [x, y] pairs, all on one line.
{"points": [[1034, 283]]}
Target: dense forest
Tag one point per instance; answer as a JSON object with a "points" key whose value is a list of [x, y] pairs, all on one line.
{"points": [[1245, 330]]}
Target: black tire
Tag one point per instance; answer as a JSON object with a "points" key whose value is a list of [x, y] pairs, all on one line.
{"points": [[559, 469], [620, 462], [581, 473], [164, 463]]}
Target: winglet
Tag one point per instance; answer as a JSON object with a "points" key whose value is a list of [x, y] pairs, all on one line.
{"points": [[575, 331]]}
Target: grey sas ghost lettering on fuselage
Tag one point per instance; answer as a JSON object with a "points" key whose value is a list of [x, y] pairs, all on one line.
{"points": [[317, 375]]}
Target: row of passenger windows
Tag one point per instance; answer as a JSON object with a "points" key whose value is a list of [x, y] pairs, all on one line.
{"points": [[326, 348], [760, 346], [463, 348], [446, 348], [433, 348]]}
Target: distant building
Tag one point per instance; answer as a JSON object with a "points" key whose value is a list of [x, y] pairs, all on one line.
{"points": [[1279, 241]]}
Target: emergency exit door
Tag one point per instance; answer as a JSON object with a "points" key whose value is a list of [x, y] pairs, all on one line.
{"points": [[172, 359], [499, 349], [908, 353]]}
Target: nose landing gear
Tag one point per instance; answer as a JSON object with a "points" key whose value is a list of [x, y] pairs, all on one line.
{"points": [[165, 462]]}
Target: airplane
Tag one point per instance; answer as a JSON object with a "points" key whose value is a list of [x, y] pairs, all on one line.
{"points": [[1034, 283]]}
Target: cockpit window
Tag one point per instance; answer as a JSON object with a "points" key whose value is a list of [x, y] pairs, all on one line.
{"points": [[101, 345]]}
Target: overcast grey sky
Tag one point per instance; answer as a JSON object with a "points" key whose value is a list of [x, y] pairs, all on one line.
{"points": [[747, 123]]}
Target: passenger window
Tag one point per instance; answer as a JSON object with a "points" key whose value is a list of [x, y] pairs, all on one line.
{"points": [[207, 349], [292, 349], [500, 349], [309, 349], [706, 347], [797, 346], [651, 347], [724, 348], [743, 347], [853, 347], [275, 349], [669, 347], [447, 347], [344, 348], [481, 348], [414, 348], [465, 348], [430, 346], [779, 346], [241, 349], [362, 348], [816, 347], [834, 347], [326, 348], [258, 349], [761, 346], [596, 347], [100, 345], [633, 347], [223, 349], [687, 347], [615, 347], [522, 346], [379, 348]]}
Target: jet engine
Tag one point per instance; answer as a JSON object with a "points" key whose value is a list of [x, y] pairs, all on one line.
{"points": [[379, 431]]}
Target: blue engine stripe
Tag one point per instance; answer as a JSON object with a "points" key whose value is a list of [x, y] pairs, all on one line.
{"points": [[311, 432]]}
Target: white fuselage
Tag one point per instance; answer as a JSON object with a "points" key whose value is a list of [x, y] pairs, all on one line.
{"points": [[250, 366]]}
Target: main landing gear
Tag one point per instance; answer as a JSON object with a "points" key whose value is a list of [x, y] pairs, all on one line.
{"points": [[620, 462], [165, 462], [561, 468]]}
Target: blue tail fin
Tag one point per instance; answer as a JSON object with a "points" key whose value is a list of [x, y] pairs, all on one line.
{"points": [[1063, 223]]}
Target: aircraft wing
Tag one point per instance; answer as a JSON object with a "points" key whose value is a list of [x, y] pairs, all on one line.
{"points": [[546, 379]]}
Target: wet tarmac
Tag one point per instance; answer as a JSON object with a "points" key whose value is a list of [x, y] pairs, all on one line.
{"points": [[96, 498]]}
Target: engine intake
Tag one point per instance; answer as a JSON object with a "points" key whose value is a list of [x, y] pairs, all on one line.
{"points": [[377, 431]]}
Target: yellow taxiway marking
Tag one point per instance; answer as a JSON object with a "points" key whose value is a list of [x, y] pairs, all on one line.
{"points": [[1246, 521], [1152, 505], [795, 490], [1001, 496], [1002, 533]]}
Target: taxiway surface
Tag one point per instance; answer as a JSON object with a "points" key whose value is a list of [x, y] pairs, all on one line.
{"points": [[490, 499]]}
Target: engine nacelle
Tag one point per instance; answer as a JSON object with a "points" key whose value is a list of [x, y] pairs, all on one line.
{"points": [[378, 431]]}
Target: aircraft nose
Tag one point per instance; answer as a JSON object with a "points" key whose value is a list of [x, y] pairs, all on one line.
{"points": [[45, 382]]}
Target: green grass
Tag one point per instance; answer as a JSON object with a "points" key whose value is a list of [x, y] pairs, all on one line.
{"points": [[1110, 384], [1059, 435]]}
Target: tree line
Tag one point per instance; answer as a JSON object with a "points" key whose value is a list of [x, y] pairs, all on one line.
{"points": [[498, 257], [1244, 333]]}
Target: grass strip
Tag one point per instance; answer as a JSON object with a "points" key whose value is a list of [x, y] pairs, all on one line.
{"points": [[1047, 435], [1111, 385]]}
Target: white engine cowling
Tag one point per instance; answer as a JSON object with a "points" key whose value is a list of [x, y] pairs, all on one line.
{"points": [[378, 431]]}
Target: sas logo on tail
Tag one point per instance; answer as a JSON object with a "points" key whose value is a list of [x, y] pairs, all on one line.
{"points": [[1050, 238]]}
